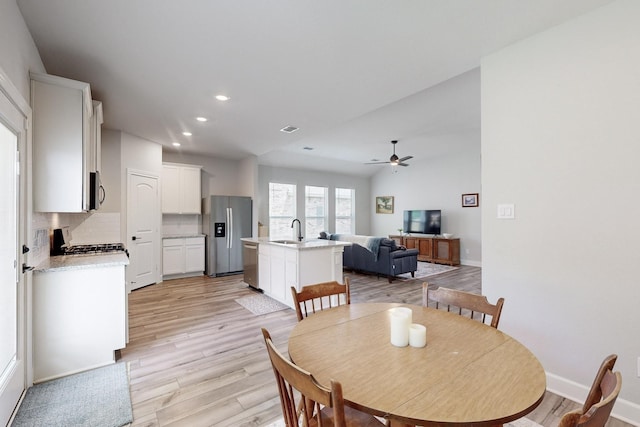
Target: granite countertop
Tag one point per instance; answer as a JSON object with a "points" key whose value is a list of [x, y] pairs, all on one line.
{"points": [[287, 243], [182, 236], [80, 262]]}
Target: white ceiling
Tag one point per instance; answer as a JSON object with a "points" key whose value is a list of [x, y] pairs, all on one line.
{"points": [[351, 74]]}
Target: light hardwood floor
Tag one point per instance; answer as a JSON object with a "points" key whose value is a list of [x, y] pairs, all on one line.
{"points": [[197, 357]]}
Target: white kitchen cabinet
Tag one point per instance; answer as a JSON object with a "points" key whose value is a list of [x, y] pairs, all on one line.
{"points": [[282, 266], [264, 268], [79, 319], [95, 156], [182, 256], [62, 113], [173, 260], [194, 254], [181, 189]]}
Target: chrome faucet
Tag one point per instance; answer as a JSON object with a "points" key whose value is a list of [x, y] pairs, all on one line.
{"points": [[299, 229]]}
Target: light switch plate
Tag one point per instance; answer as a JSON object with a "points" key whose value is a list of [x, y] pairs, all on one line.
{"points": [[506, 211]]}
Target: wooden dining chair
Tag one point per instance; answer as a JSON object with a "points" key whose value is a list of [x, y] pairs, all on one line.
{"points": [[320, 296], [316, 405], [599, 403], [471, 303]]}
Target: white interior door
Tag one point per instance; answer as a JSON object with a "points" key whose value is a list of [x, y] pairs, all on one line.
{"points": [[12, 289], [143, 230]]}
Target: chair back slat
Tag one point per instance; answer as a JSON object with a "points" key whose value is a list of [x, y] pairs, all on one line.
{"points": [[320, 296], [464, 302]]}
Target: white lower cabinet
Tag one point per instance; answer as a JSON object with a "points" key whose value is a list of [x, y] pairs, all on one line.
{"points": [[79, 320], [182, 257], [281, 267]]}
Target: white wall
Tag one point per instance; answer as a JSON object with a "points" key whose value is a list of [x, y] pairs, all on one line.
{"points": [[220, 177], [140, 155], [18, 52], [18, 56], [560, 140], [110, 173], [302, 178], [436, 182]]}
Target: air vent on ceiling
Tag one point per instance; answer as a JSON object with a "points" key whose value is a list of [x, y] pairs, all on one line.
{"points": [[289, 129]]}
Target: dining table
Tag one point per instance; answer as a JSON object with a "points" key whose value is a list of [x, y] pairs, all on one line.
{"points": [[467, 374]]}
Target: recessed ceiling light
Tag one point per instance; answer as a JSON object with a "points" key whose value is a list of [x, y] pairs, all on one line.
{"points": [[175, 144], [289, 129], [187, 133], [222, 97], [201, 119]]}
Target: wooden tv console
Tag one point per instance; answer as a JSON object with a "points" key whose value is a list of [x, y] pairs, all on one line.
{"points": [[432, 249]]}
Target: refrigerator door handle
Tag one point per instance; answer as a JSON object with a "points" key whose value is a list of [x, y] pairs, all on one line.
{"points": [[230, 228]]}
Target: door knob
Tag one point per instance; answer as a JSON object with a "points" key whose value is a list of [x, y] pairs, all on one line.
{"points": [[26, 268], [134, 238]]}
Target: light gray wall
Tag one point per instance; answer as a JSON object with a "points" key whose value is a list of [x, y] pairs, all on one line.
{"points": [[110, 173], [224, 177], [560, 140], [18, 52], [302, 178], [220, 177], [436, 182], [140, 155]]}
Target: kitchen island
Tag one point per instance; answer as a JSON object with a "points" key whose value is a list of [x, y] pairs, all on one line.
{"points": [[286, 263], [79, 313]]}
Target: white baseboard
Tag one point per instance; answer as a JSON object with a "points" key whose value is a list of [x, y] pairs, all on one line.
{"points": [[624, 410], [472, 263]]}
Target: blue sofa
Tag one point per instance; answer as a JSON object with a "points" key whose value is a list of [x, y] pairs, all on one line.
{"points": [[376, 255]]}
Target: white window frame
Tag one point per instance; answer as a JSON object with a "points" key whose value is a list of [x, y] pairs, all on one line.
{"points": [[351, 217], [274, 231], [311, 230]]}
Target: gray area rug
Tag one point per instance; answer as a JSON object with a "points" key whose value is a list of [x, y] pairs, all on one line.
{"points": [[96, 398], [261, 304], [426, 269]]}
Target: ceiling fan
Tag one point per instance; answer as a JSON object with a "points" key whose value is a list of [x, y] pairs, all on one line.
{"points": [[394, 160]]}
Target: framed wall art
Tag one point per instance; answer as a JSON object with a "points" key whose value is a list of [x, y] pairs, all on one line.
{"points": [[384, 204], [470, 200]]}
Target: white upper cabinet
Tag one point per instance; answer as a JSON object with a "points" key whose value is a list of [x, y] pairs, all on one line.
{"points": [[181, 189], [62, 113], [95, 158]]}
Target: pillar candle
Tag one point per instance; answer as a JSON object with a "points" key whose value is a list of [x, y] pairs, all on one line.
{"points": [[417, 335], [400, 322]]}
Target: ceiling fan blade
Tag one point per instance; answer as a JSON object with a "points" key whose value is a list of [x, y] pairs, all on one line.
{"points": [[403, 164], [376, 163], [405, 158]]}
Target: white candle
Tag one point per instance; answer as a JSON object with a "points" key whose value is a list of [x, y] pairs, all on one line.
{"points": [[417, 335], [400, 321]]}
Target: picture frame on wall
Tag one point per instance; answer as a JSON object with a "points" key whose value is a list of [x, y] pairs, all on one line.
{"points": [[470, 200], [384, 204]]}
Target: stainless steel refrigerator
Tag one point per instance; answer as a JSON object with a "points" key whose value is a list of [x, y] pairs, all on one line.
{"points": [[225, 221]]}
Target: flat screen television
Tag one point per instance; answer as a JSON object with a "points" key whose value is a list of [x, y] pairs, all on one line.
{"points": [[422, 221]]}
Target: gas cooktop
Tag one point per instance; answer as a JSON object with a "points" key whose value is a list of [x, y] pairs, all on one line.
{"points": [[99, 248]]}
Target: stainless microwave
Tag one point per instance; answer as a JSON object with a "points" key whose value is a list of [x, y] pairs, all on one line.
{"points": [[96, 191]]}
